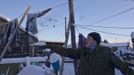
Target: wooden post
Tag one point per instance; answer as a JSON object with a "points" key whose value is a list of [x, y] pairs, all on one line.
{"points": [[72, 22], [33, 51], [66, 41], [14, 32], [72, 27]]}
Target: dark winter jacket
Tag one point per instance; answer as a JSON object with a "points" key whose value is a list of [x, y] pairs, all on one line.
{"points": [[99, 62]]}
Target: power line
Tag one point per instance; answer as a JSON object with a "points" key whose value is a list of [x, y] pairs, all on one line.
{"points": [[104, 32], [107, 18], [77, 29], [60, 5], [110, 7], [107, 27]]}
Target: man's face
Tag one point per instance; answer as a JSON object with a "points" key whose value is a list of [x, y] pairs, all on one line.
{"points": [[90, 41]]}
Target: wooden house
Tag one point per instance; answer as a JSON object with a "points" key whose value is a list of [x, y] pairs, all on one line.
{"points": [[21, 43]]}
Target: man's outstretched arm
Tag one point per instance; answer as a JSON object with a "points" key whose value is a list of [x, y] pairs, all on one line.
{"points": [[119, 64], [68, 52]]}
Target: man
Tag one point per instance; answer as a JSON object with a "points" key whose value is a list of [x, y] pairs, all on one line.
{"points": [[132, 38], [95, 59]]}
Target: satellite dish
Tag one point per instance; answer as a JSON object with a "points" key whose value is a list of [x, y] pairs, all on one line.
{"points": [[132, 35]]}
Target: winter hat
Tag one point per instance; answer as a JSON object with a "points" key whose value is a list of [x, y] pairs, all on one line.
{"points": [[96, 36]]}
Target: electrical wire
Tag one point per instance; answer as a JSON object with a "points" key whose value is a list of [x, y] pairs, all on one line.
{"points": [[104, 31], [77, 29], [106, 27], [60, 5], [108, 8], [107, 18]]}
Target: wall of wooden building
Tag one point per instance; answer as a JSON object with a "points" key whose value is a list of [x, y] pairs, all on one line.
{"points": [[20, 44]]}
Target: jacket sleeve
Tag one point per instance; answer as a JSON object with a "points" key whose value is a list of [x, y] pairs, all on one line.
{"points": [[39, 14], [119, 64], [72, 53]]}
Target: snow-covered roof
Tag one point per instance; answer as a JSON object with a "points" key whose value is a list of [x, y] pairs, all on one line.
{"points": [[54, 41], [39, 44], [4, 17], [122, 44], [32, 70], [28, 32]]}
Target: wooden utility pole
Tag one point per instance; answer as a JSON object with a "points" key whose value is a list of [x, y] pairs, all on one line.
{"points": [[72, 22], [72, 28]]}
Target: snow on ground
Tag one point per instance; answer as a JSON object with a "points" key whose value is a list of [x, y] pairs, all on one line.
{"points": [[38, 70], [35, 70], [68, 69]]}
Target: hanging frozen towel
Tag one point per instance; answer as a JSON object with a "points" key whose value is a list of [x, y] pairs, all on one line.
{"points": [[82, 41], [31, 24], [10, 27]]}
